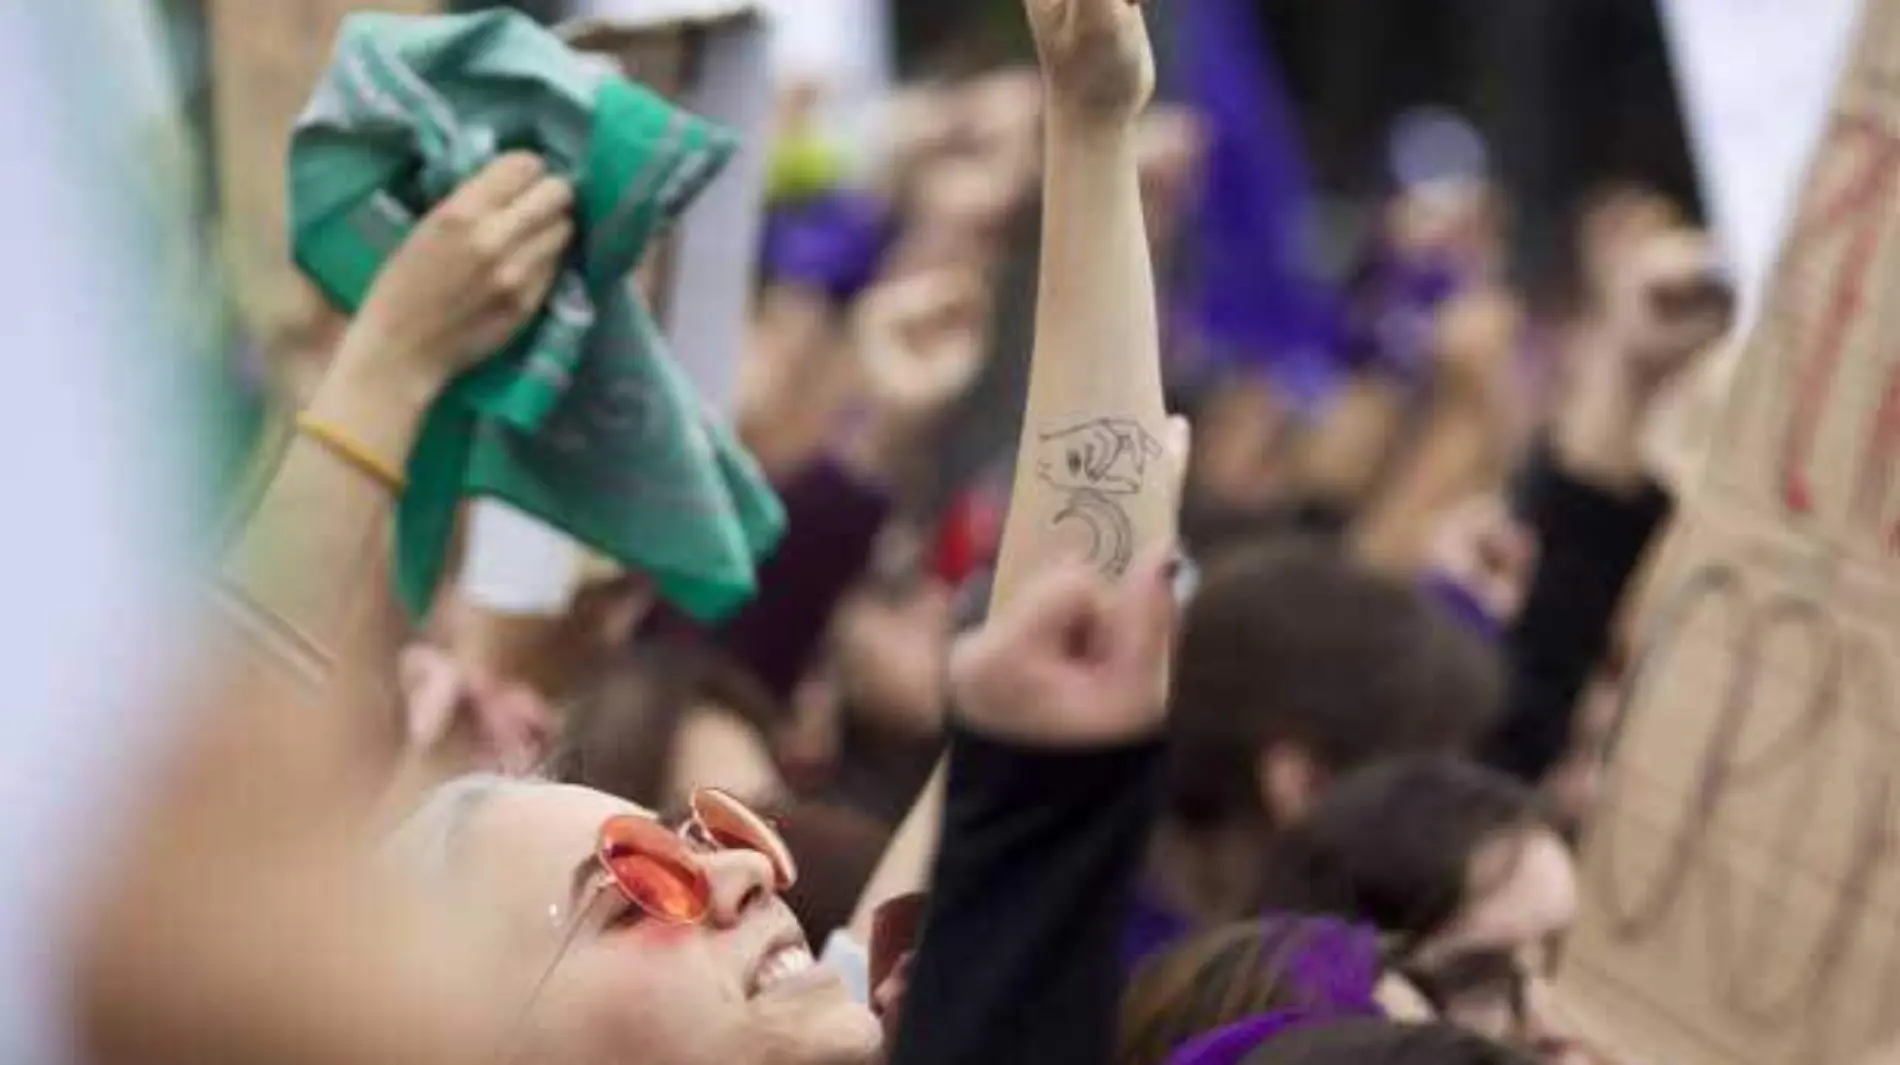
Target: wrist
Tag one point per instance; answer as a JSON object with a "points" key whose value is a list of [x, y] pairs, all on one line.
{"points": [[1088, 127], [377, 396], [1598, 437]]}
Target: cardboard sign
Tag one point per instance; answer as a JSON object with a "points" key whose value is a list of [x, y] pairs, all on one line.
{"points": [[266, 55], [1742, 885]]}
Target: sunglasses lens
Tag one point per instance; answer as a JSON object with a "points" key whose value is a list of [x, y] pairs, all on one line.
{"points": [[733, 826], [654, 870]]}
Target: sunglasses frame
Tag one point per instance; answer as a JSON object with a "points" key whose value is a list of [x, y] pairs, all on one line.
{"points": [[716, 821], [696, 835]]}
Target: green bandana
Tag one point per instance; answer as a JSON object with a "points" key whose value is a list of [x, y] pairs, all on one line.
{"points": [[582, 420]]}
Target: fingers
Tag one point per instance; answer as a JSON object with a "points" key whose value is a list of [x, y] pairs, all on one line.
{"points": [[432, 691], [519, 282], [535, 261], [515, 728], [497, 185], [542, 206], [1061, 611]]}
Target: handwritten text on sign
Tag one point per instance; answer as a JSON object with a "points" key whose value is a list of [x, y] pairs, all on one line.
{"points": [[1744, 877]]}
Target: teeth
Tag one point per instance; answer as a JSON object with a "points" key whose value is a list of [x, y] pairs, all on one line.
{"points": [[783, 964]]}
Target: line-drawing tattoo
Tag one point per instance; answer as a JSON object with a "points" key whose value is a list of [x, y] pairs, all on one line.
{"points": [[1108, 455], [1094, 463], [1111, 531]]}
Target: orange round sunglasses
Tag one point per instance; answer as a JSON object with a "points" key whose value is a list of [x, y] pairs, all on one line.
{"points": [[657, 869]]}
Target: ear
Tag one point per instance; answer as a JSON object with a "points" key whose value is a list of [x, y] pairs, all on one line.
{"points": [[1289, 780]]}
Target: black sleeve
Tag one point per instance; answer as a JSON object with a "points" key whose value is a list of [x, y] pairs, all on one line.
{"points": [[1019, 960], [1590, 543]]}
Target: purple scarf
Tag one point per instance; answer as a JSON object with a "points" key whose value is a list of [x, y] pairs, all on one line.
{"points": [[1463, 607], [1335, 965], [834, 242]]}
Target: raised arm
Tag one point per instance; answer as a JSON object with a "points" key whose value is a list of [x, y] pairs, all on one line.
{"points": [[171, 966], [1097, 469], [471, 273], [1053, 784], [1093, 470], [1590, 497], [1459, 446]]}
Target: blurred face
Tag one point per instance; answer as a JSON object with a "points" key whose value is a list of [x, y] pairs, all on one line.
{"points": [[891, 654], [740, 988], [554, 654], [1524, 899], [1169, 145]]}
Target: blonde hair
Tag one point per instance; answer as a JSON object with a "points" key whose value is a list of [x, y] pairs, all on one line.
{"points": [[426, 841]]}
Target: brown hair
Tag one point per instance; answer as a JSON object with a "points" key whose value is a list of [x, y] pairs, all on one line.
{"points": [[1294, 642], [1392, 846], [622, 724], [1205, 983], [1383, 1042]]}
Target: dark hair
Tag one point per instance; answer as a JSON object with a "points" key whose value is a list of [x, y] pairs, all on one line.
{"points": [[622, 724], [1392, 845], [1383, 1042], [1218, 978], [1294, 642], [837, 849]]}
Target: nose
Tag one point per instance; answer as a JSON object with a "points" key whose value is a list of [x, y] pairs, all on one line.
{"points": [[741, 880]]}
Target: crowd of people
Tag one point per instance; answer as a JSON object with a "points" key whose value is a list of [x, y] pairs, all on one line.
{"points": [[1106, 699]]}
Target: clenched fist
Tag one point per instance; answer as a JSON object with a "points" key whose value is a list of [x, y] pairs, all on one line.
{"points": [[1669, 303], [475, 269], [1096, 58], [1073, 661]]}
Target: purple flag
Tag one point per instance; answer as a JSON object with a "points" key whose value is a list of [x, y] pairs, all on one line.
{"points": [[1246, 297]]}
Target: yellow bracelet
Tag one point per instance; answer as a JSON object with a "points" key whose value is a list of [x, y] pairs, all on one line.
{"points": [[345, 447]]}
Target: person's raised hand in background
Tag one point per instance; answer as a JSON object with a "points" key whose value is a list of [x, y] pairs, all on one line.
{"points": [[458, 719], [921, 342], [1171, 148], [1669, 304], [1096, 59], [1475, 341], [1001, 119]]}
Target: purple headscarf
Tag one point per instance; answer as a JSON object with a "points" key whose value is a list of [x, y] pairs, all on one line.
{"points": [[1463, 607], [835, 242], [1334, 966]]}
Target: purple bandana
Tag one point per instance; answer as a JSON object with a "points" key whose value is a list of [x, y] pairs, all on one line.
{"points": [[835, 242], [1335, 965], [1464, 607]]}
